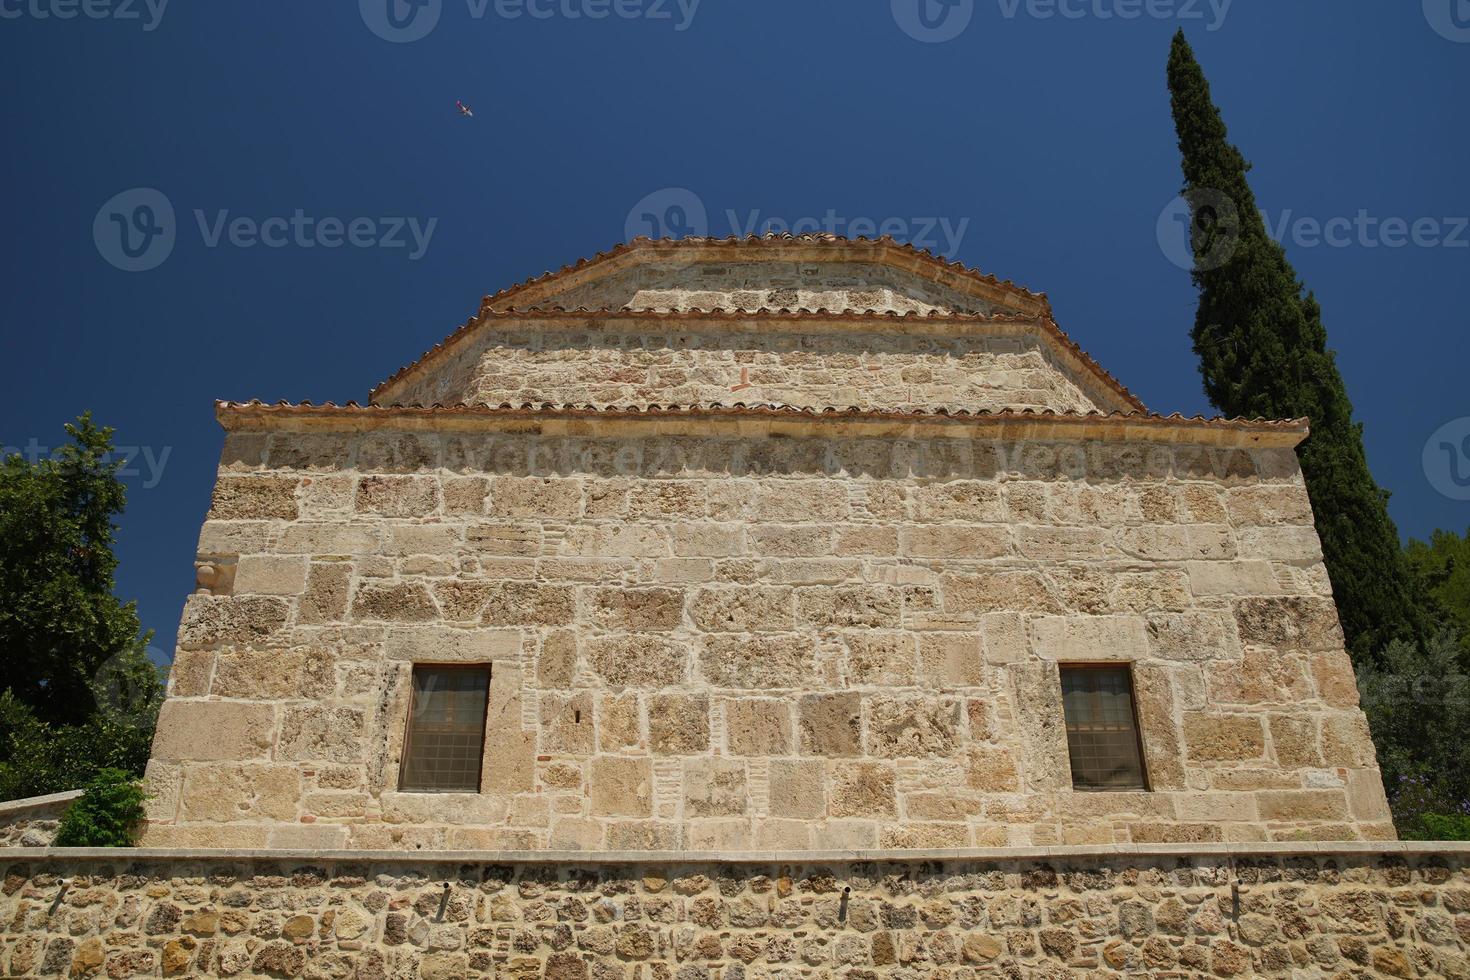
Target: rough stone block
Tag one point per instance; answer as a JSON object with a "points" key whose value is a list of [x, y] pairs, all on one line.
{"points": [[831, 725], [213, 730], [643, 660], [758, 726], [1224, 738], [862, 789], [621, 787], [678, 724], [714, 788]]}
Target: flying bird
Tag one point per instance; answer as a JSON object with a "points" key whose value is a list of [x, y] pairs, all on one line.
{"points": [[464, 110]]}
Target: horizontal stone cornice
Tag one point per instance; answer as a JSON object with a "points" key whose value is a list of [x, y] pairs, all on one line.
{"points": [[741, 421], [1098, 854]]}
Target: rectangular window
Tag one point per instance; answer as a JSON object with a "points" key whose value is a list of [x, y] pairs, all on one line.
{"points": [[1102, 728], [446, 730]]}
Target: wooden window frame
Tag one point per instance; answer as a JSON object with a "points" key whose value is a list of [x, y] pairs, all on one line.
{"points": [[413, 697], [1126, 666]]}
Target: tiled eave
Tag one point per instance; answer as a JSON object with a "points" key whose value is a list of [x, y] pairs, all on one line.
{"points": [[763, 420], [1043, 328]]}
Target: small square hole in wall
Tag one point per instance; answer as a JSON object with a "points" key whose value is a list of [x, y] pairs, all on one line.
{"points": [[1103, 743]]}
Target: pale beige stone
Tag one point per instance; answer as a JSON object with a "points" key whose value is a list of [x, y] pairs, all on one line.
{"points": [[213, 730], [758, 727], [621, 786]]}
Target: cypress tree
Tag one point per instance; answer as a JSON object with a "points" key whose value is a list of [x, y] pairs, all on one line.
{"points": [[1263, 353]]}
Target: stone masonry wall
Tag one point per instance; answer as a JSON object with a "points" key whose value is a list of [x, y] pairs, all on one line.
{"points": [[1360, 915], [661, 364], [865, 371], [736, 644]]}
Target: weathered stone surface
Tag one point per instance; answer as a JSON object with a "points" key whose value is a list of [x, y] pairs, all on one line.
{"points": [[678, 724], [768, 605], [862, 789], [831, 725], [758, 727], [207, 730], [621, 786]]}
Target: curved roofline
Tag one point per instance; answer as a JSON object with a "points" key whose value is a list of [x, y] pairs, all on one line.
{"points": [[1031, 307], [904, 256]]}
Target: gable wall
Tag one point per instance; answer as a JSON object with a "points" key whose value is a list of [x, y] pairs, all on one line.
{"points": [[729, 643], [673, 364]]}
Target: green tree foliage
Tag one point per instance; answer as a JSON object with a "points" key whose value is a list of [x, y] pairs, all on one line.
{"points": [[1418, 704], [105, 815], [80, 693], [59, 621], [1263, 354], [1442, 567], [37, 757]]}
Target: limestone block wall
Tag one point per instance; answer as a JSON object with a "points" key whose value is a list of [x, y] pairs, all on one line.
{"points": [[1059, 915], [863, 371], [749, 642], [658, 362]]}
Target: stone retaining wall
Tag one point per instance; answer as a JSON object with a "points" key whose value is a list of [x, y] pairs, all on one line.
{"points": [[32, 822], [1387, 910]]}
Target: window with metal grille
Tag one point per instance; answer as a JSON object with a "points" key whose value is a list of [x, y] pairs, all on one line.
{"points": [[1102, 728], [446, 730]]}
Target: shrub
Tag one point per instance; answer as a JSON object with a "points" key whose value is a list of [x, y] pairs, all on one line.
{"points": [[105, 814], [1441, 826]]}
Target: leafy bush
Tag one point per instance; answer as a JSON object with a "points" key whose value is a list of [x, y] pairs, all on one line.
{"points": [[1447, 826], [37, 757], [104, 815], [1418, 702]]}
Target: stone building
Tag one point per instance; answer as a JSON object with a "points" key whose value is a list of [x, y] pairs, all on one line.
{"points": [[766, 544]]}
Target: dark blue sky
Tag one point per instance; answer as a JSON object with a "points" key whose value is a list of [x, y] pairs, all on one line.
{"points": [[1049, 135]]}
